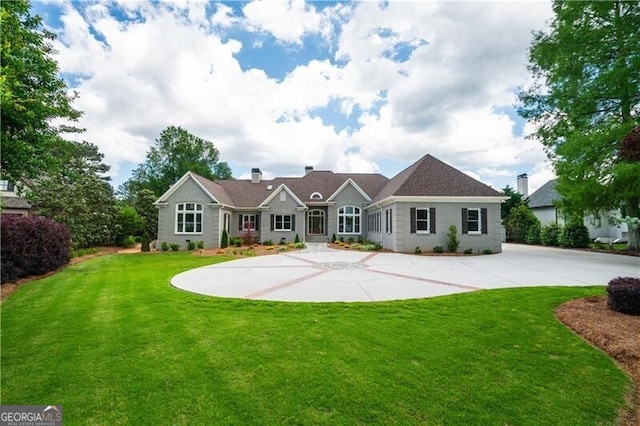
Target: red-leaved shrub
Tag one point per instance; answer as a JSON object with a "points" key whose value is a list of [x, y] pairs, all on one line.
{"points": [[32, 245], [623, 295]]}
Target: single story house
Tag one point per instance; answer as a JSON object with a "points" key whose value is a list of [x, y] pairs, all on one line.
{"points": [[413, 209], [543, 204]]}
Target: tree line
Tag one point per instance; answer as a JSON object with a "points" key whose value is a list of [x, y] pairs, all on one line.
{"points": [[66, 180]]}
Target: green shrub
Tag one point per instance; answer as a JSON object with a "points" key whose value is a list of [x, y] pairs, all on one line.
{"points": [[575, 235], [468, 251], [129, 241], [487, 251], [283, 241], [191, 245], [333, 238], [623, 295], [283, 248], [452, 239], [237, 241], [341, 239], [267, 243], [438, 249], [200, 245], [299, 245], [533, 234], [146, 242], [174, 247], [520, 219], [417, 250], [84, 252], [164, 246], [297, 239], [224, 239], [550, 235], [351, 240], [138, 239]]}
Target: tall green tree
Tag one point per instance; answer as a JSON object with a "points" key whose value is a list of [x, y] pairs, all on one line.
{"points": [[173, 154], [79, 195], [32, 95], [585, 99]]}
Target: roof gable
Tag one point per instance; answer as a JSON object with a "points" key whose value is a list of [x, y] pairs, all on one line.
{"points": [[430, 177], [186, 177], [281, 188], [544, 196], [346, 183]]}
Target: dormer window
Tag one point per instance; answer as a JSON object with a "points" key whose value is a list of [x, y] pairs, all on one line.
{"points": [[316, 196]]}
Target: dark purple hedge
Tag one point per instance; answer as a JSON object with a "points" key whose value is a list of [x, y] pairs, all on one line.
{"points": [[623, 295], [32, 245]]}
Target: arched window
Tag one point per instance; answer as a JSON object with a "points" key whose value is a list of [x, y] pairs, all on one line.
{"points": [[189, 218], [316, 196], [349, 220]]}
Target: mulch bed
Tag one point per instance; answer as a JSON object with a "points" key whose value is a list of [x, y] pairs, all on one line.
{"points": [[616, 334]]}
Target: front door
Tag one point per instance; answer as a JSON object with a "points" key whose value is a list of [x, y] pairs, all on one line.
{"points": [[315, 222]]}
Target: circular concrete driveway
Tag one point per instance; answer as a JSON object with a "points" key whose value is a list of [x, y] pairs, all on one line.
{"points": [[319, 274]]}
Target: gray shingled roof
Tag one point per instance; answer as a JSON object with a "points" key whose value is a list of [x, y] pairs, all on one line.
{"points": [[433, 178], [16, 203], [426, 177], [545, 195]]}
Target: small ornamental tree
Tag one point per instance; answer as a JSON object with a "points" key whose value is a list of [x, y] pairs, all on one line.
{"points": [[452, 239], [32, 245], [224, 239], [247, 237]]}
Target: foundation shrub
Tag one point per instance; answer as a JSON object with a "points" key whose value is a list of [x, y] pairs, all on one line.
{"points": [[452, 239], [575, 235], [623, 295], [32, 245], [550, 235]]}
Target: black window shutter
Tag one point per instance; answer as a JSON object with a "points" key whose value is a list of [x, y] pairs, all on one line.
{"points": [[273, 221], [412, 218], [391, 221], [432, 220], [465, 225], [483, 220], [293, 222], [240, 224], [257, 226]]}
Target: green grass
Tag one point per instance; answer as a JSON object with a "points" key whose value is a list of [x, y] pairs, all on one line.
{"points": [[112, 342]]}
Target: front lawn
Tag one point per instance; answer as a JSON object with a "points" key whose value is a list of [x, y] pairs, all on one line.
{"points": [[112, 342]]}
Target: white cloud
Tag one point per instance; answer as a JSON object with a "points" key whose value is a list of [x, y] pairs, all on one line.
{"points": [[176, 66], [288, 21]]}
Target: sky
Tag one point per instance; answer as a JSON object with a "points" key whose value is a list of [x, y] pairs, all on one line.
{"points": [[280, 85]]}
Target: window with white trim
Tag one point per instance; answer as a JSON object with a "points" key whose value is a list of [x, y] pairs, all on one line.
{"points": [[189, 218], [349, 220], [473, 221], [422, 221], [316, 196], [282, 222], [248, 222]]}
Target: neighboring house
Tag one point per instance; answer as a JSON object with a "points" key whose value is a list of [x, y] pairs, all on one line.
{"points": [[542, 203], [414, 209], [11, 202]]}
